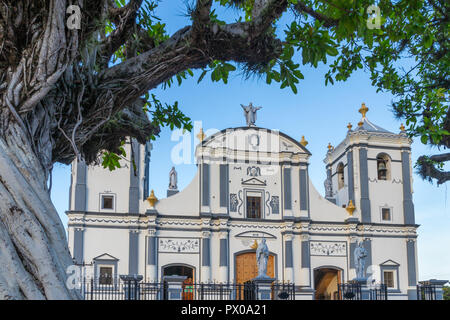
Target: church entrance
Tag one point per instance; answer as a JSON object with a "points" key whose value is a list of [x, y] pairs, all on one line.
{"points": [[326, 282], [246, 268], [188, 284]]}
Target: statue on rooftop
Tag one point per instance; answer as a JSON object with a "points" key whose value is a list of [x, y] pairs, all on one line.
{"points": [[173, 179], [250, 114]]}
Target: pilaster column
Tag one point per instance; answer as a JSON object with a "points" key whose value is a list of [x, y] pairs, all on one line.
{"points": [[224, 257], [305, 279], [78, 245], [206, 256], [152, 256], [288, 258], [133, 252], [353, 241]]}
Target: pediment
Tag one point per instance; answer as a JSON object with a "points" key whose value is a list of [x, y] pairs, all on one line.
{"points": [[106, 256], [254, 182], [390, 263]]}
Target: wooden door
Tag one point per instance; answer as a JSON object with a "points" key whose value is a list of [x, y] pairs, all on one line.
{"points": [[246, 268]]}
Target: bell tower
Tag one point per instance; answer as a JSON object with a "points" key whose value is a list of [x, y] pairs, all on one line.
{"points": [[371, 168]]}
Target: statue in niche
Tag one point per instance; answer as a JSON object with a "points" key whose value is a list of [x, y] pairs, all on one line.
{"points": [[328, 186], [262, 256], [250, 114], [173, 179], [360, 255]]}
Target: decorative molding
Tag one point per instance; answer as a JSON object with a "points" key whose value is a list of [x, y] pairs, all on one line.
{"points": [[233, 202], [275, 204], [267, 203], [178, 245], [255, 234], [254, 182], [253, 171], [325, 248]]}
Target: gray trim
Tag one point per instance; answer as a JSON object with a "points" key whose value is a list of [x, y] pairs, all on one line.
{"points": [[411, 261], [148, 147], [350, 178], [276, 132], [306, 262], [78, 246], [364, 181], [352, 254], [133, 200], [303, 190], [288, 261], [408, 206], [223, 183], [133, 257], [80, 187], [287, 188], [152, 250], [206, 252], [108, 262], [70, 188], [365, 145], [412, 294], [205, 184], [395, 270], [223, 253]]}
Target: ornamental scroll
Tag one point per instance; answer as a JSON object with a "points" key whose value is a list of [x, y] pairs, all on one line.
{"points": [[179, 245], [328, 248]]}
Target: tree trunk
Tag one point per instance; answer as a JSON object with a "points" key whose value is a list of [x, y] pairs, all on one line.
{"points": [[33, 247]]}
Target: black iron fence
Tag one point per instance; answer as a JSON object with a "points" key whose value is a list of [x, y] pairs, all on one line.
{"points": [[354, 291], [426, 292], [120, 289]]}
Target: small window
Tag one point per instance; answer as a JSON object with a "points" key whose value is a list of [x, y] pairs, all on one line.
{"points": [[386, 214], [107, 202], [388, 277], [340, 175], [105, 275], [254, 207], [383, 167]]}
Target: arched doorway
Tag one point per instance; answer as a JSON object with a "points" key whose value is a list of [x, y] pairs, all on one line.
{"points": [[246, 268], [182, 270], [326, 282]]}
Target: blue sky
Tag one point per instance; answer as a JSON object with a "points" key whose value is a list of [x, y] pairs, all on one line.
{"points": [[320, 113]]}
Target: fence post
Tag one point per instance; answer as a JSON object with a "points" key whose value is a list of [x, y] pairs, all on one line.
{"points": [[92, 289], [131, 293]]}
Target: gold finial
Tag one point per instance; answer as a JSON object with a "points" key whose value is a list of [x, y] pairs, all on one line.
{"points": [[152, 199], [349, 126], [303, 142], [363, 110], [360, 124], [201, 135], [254, 245], [330, 147], [350, 208], [402, 127]]}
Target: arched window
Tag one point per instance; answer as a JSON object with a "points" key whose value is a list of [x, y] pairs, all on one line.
{"points": [[340, 175], [383, 167]]}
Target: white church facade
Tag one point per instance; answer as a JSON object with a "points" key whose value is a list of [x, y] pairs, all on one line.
{"points": [[252, 184]]}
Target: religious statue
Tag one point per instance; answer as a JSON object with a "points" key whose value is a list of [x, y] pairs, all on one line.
{"points": [[173, 179], [262, 255], [328, 186], [360, 254], [250, 114]]}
